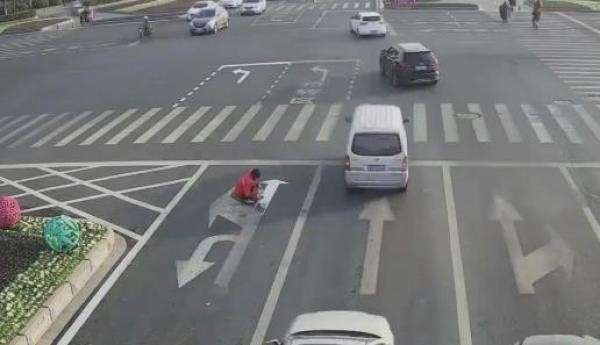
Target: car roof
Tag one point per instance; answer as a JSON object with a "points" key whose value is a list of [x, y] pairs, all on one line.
{"points": [[413, 47], [560, 339], [377, 119], [364, 14], [341, 320]]}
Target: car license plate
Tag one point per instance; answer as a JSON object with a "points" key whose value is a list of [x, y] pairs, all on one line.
{"points": [[421, 68], [373, 31], [376, 167]]}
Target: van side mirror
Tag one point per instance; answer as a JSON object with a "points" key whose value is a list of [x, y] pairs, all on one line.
{"points": [[405, 120], [273, 342]]}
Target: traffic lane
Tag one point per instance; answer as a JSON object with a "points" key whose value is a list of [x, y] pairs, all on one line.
{"points": [[588, 182], [414, 288], [515, 225], [590, 19], [200, 311]]}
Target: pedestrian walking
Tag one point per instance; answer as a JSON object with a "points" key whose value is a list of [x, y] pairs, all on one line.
{"points": [[536, 14], [504, 11]]}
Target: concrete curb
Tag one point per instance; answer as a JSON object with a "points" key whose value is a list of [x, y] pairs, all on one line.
{"points": [[43, 319]]}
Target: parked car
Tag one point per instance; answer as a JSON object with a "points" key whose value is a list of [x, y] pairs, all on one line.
{"points": [[253, 7], [209, 20], [76, 8], [230, 3], [409, 63], [377, 152], [337, 327], [559, 339], [368, 23], [196, 7]]}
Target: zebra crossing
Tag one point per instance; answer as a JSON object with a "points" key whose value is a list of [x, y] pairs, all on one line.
{"points": [[343, 5], [292, 123], [572, 54], [24, 44]]}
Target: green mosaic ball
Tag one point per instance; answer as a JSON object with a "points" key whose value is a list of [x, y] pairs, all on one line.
{"points": [[62, 233]]}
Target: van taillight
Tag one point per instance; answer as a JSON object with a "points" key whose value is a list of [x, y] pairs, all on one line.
{"points": [[347, 163], [404, 165]]}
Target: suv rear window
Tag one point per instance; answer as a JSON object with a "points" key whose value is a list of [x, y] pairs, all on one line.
{"points": [[376, 144], [420, 57], [371, 18], [201, 5]]}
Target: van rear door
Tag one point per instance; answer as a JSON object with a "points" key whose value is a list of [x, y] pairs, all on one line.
{"points": [[376, 152]]}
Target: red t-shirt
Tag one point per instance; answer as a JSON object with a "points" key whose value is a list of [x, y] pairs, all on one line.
{"points": [[246, 187]]}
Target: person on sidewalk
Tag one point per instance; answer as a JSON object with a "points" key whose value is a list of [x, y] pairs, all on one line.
{"points": [[536, 14], [504, 8]]}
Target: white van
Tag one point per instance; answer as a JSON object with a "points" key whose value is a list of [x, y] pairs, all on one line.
{"points": [[376, 153]]}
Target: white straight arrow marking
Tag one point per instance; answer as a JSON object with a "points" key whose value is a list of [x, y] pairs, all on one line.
{"points": [[189, 269], [244, 73], [377, 212], [324, 72], [529, 269]]}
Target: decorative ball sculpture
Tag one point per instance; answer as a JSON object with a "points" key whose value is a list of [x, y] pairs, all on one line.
{"points": [[62, 233], [10, 212]]}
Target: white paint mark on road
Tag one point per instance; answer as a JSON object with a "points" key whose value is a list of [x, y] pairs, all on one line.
{"points": [[565, 124], [61, 129], [512, 133], [588, 120], [531, 267], [185, 125], [376, 212], [132, 126], [108, 127], [589, 215], [449, 123], [536, 123], [267, 313], [159, 125], [419, 123], [265, 131], [76, 133], [17, 131], [479, 126], [301, 121], [237, 129], [244, 74], [329, 123], [39, 129], [271, 63], [460, 290], [592, 29], [213, 124], [319, 20], [87, 311], [324, 72], [189, 269]]}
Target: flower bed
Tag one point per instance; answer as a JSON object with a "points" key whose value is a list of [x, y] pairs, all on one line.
{"points": [[22, 297]]}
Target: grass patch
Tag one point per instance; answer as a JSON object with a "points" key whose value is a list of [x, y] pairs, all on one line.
{"points": [[27, 289]]}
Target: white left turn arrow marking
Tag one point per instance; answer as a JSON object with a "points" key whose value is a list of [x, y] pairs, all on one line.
{"points": [[377, 212], [324, 72], [531, 267], [244, 74], [189, 269]]}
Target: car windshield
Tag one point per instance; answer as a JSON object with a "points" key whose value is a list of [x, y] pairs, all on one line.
{"points": [[330, 333], [206, 13], [371, 18], [376, 144], [420, 57], [251, 1], [201, 5]]}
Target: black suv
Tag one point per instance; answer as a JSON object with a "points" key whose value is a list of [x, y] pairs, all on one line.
{"points": [[410, 63]]}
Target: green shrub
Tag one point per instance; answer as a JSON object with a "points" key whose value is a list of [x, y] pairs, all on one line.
{"points": [[18, 16], [40, 3]]}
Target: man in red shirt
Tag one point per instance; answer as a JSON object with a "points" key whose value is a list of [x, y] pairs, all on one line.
{"points": [[247, 187]]}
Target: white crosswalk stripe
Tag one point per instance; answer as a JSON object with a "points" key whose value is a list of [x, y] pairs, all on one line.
{"points": [[449, 123], [356, 5], [76, 133], [572, 123], [506, 120], [301, 121], [419, 123], [329, 123], [133, 126], [479, 126], [213, 124], [185, 125], [61, 129], [536, 123], [334, 6], [112, 124], [38, 130], [265, 131], [159, 125], [345, 5]]}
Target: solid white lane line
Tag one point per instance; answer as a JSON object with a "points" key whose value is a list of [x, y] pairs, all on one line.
{"points": [[73, 135], [159, 125], [565, 124], [185, 125], [39, 129], [536, 123], [479, 126], [61, 129], [269, 308], [419, 123], [134, 173], [108, 127], [87, 311], [587, 211], [133, 126], [301, 121], [239, 127], [449, 123], [592, 29], [512, 133], [17, 131], [460, 289], [265, 131], [588, 120], [213, 124], [329, 123], [345, 5]]}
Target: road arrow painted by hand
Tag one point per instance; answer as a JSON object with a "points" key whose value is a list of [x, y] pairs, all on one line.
{"points": [[324, 72], [537, 264], [189, 269], [244, 74], [377, 212]]}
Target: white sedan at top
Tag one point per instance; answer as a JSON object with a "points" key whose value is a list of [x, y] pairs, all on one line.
{"points": [[368, 24], [197, 6], [230, 3]]}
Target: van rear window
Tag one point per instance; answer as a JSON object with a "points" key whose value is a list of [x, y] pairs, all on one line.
{"points": [[371, 18], [376, 144]]}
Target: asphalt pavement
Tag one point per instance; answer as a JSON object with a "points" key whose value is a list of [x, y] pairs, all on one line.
{"points": [[496, 238]]}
